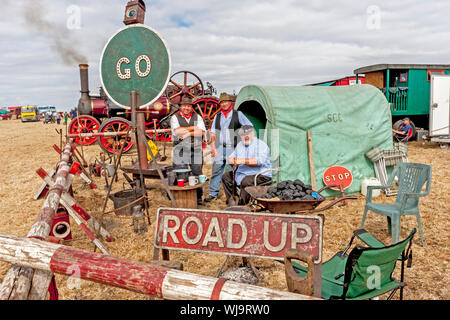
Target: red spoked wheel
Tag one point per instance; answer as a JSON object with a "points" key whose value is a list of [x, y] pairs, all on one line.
{"points": [[160, 136], [207, 107], [184, 83], [113, 143], [84, 124]]}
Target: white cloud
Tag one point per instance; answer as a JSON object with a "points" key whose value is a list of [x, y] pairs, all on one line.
{"points": [[228, 43]]}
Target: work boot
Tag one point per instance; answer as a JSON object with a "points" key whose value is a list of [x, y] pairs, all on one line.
{"points": [[210, 198]]}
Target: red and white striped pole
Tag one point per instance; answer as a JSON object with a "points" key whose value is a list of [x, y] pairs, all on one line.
{"points": [[76, 212], [135, 276], [35, 284], [76, 169]]}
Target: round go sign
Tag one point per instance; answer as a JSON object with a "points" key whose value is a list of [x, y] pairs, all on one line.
{"points": [[136, 58], [338, 175]]}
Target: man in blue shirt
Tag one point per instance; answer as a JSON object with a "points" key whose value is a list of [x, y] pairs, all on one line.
{"points": [[403, 130], [224, 139], [251, 157]]}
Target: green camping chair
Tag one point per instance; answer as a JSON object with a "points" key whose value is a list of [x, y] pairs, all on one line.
{"points": [[365, 273], [411, 179]]}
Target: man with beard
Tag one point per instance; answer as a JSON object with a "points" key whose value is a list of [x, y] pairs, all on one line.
{"points": [[250, 157], [224, 139]]}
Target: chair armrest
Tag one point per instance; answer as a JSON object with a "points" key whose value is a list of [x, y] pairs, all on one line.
{"points": [[296, 283], [415, 195], [368, 238], [369, 192]]}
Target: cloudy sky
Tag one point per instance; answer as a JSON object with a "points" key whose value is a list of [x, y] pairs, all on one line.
{"points": [[230, 44]]}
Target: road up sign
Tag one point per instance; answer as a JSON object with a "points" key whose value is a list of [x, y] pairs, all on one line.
{"points": [[254, 234], [135, 58]]}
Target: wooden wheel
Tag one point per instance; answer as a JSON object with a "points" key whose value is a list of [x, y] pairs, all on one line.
{"points": [[184, 83], [207, 107], [84, 124], [113, 144]]}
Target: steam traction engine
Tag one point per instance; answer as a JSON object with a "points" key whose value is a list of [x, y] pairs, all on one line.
{"points": [[100, 120]]}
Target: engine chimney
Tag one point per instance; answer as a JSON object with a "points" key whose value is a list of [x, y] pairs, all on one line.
{"points": [[84, 104]]}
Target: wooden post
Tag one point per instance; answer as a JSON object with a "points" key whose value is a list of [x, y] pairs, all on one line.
{"points": [[145, 278], [311, 160], [22, 283]]}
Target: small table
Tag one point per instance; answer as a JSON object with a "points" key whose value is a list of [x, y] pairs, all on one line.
{"points": [[186, 197]]}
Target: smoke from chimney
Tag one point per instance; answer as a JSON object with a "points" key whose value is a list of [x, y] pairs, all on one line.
{"points": [[58, 35]]}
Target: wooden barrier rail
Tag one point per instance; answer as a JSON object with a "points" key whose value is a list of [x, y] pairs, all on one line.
{"points": [[135, 276], [28, 284]]}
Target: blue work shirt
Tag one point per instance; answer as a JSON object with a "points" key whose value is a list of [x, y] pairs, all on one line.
{"points": [[224, 137], [256, 149], [405, 128]]}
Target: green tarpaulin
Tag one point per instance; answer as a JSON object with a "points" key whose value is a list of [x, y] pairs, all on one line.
{"points": [[345, 123]]}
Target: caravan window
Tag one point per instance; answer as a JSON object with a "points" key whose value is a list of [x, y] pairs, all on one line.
{"points": [[432, 72]]}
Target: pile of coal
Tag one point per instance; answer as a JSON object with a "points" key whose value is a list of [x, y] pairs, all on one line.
{"points": [[290, 190]]}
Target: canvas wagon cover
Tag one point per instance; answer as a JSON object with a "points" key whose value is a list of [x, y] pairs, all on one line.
{"points": [[345, 122]]}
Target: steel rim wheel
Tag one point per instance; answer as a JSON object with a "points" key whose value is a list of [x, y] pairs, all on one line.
{"points": [[84, 124], [159, 136], [113, 144], [190, 85], [207, 107]]}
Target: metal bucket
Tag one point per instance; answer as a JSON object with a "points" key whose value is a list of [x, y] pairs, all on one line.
{"points": [[125, 197], [111, 169]]}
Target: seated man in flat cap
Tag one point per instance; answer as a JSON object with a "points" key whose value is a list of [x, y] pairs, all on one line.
{"points": [[403, 130], [250, 157]]}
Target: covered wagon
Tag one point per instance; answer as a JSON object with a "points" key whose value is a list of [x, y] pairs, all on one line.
{"points": [[345, 122]]}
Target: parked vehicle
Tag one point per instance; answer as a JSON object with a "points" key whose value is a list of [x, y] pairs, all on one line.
{"points": [[439, 129], [407, 88], [5, 114], [97, 114], [30, 113]]}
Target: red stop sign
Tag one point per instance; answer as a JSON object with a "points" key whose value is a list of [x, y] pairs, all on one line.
{"points": [[338, 175]]}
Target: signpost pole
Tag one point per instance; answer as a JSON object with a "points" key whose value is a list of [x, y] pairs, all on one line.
{"points": [[143, 163]]}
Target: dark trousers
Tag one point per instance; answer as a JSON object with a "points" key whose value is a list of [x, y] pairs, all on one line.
{"points": [[195, 162], [244, 197]]}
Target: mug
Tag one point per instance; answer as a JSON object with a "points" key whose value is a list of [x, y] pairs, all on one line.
{"points": [[202, 178], [193, 181], [180, 182]]}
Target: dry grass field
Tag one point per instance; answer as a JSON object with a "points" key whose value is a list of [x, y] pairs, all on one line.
{"points": [[28, 146]]}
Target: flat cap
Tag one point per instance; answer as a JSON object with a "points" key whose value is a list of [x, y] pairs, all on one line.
{"points": [[186, 100], [246, 130]]}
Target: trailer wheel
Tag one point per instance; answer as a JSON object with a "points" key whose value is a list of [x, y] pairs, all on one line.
{"points": [[113, 144], [84, 124]]}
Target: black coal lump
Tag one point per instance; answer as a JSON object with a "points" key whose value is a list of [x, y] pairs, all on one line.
{"points": [[292, 187], [299, 182], [308, 197], [308, 187], [309, 191], [282, 185], [272, 190]]}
